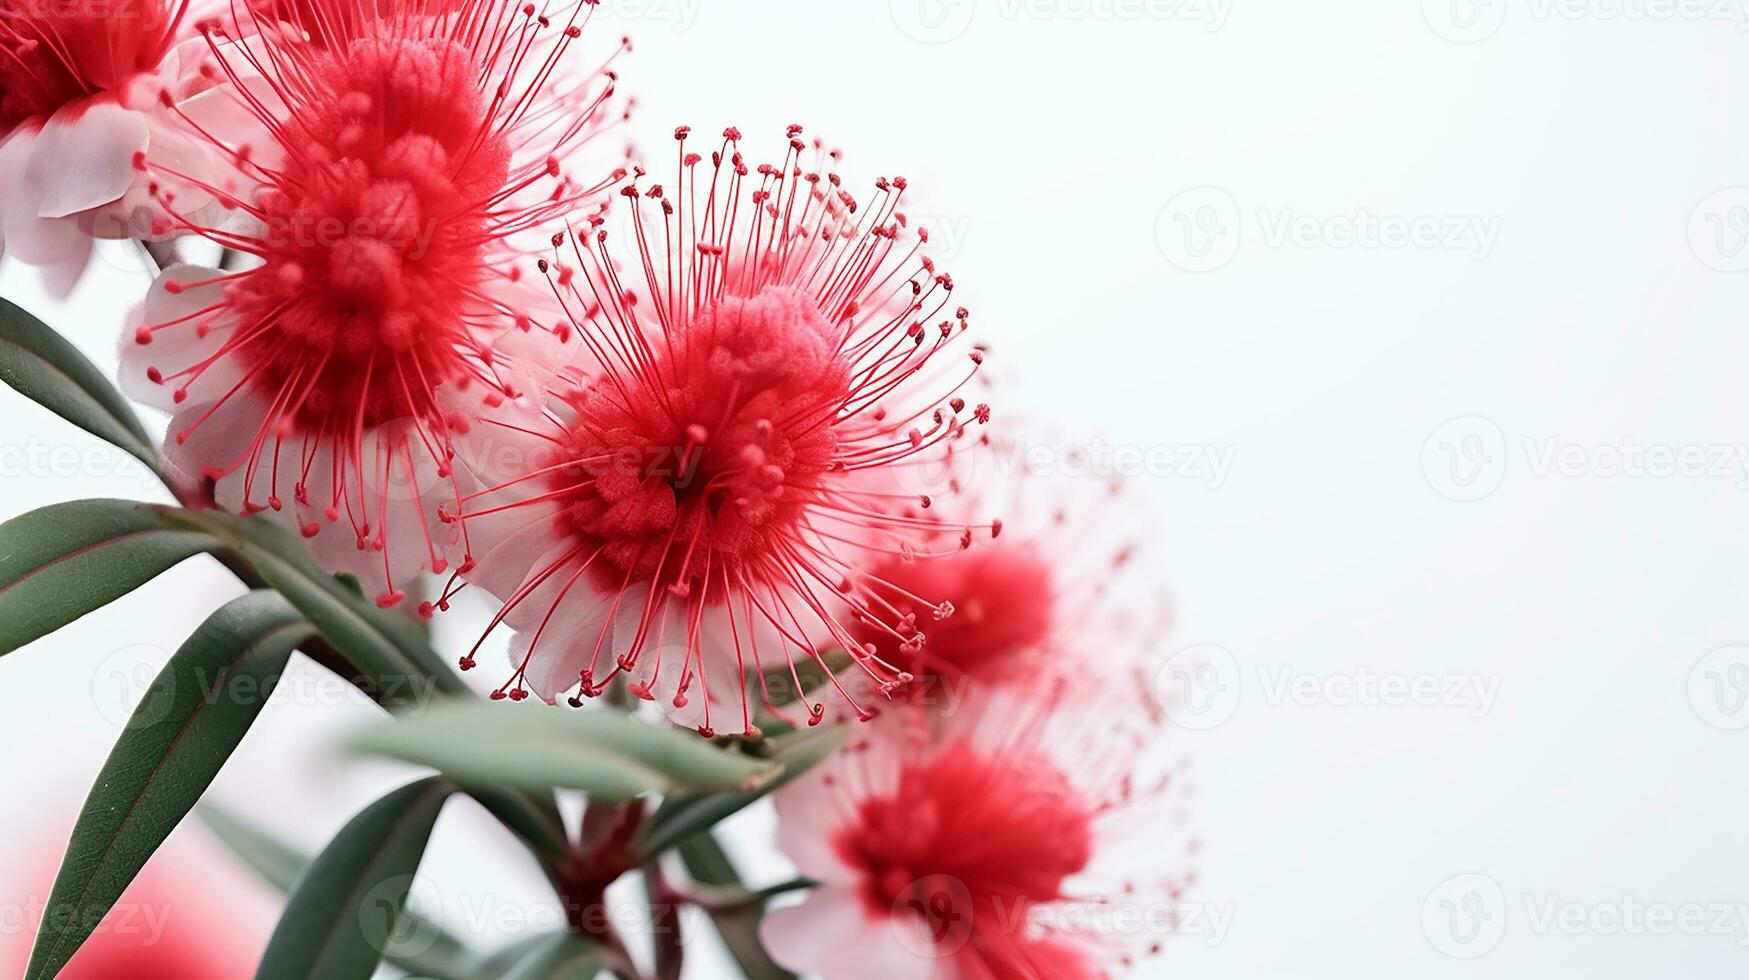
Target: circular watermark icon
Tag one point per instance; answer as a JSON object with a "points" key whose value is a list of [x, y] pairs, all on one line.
{"points": [[1465, 459], [1718, 688], [933, 21], [1199, 230], [1200, 687], [120, 682], [1464, 21], [1464, 917], [397, 916], [1718, 230], [944, 905]]}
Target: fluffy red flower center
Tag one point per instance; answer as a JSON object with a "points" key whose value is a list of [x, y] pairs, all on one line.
{"points": [[375, 235], [708, 463], [968, 841], [53, 52], [1003, 605]]}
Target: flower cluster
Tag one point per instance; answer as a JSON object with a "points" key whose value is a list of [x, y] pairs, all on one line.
{"points": [[707, 430]]}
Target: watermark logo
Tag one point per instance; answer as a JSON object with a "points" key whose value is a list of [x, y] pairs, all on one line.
{"points": [[941, 21], [120, 682], [1200, 229], [1465, 459], [679, 15], [1464, 21], [397, 916], [944, 906], [1465, 916], [1718, 688], [1471, 21], [1718, 230], [1201, 685], [933, 21]]}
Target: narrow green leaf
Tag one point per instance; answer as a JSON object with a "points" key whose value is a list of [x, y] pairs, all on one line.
{"points": [[680, 817], [41, 365], [278, 863], [381, 644], [346, 911], [436, 956], [190, 720], [604, 752], [564, 956], [65, 560], [387, 650], [708, 864]]}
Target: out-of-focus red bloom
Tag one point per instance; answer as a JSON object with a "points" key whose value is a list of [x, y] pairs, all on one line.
{"points": [[1016, 837]]}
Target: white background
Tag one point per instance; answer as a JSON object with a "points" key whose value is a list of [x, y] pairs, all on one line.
{"points": [[1052, 144]]}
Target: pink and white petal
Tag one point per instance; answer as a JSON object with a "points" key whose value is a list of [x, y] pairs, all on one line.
{"points": [[833, 934], [84, 157], [26, 236], [546, 579], [507, 546], [178, 342], [61, 277], [394, 501], [207, 444], [802, 937], [577, 635], [810, 813], [889, 946]]}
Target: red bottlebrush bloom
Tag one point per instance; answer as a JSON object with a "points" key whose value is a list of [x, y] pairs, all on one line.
{"points": [[1018, 838], [82, 87], [397, 173], [1071, 569], [696, 499]]}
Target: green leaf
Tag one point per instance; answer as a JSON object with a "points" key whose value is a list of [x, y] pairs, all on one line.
{"points": [[707, 863], [564, 956], [42, 366], [389, 652], [380, 644], [280, 864], [347, 909], [65, 560], [604, 752], [192, 717], [680, 817]]}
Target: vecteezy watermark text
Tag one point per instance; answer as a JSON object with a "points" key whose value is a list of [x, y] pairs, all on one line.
{"points": [[1202, 229], [941, 21]]}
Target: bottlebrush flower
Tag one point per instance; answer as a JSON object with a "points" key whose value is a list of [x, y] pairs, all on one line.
{"points": [[694, 498], [397, 173], [1017, 838], [82, 90], [1070, 569]]}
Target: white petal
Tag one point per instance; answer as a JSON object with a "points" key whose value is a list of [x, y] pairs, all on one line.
{"points": [[59, 278], [84, 157], [802, 937], [180, 345]]}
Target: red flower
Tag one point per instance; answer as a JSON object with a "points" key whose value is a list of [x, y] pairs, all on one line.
{"points": [[397, 172], [704, 486]]}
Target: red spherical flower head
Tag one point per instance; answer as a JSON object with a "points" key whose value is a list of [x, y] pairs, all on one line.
{"points": [[397, 174], [1023, 837], [696, 501], [1071, 576]]}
